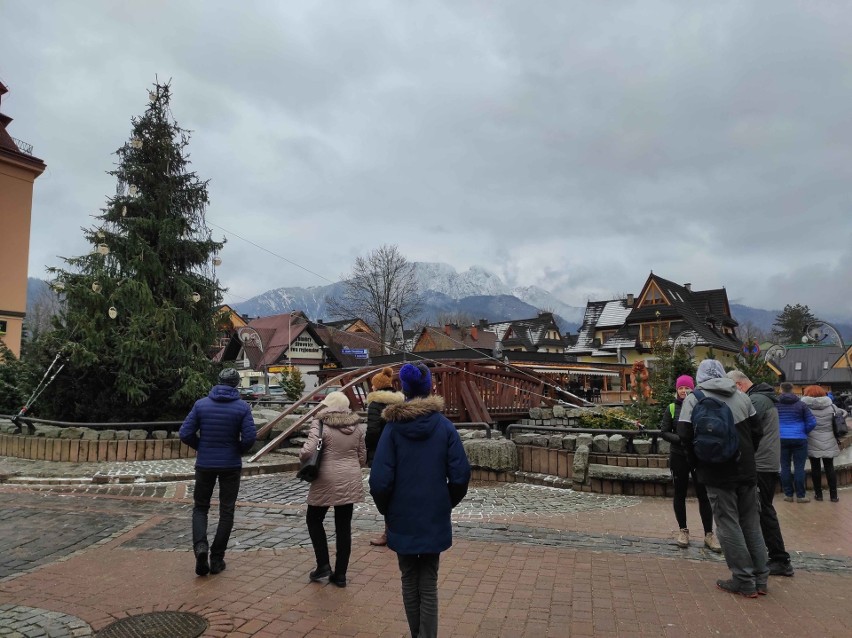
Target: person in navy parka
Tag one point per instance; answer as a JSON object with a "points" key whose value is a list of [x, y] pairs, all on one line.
{"points": [[221, 428], [419, 474]]}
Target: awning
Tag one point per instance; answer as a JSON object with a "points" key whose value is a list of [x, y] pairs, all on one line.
{"points": [[592, 372]]}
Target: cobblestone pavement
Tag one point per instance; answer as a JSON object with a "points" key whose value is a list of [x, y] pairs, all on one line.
{"points": [[527, 561]]}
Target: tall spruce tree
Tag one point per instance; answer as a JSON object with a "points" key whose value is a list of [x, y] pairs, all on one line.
{"points": [[138, 317], [790, 323]]}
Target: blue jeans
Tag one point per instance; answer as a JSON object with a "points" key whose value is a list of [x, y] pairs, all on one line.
{"points": [[229, 487], [797, 450]]}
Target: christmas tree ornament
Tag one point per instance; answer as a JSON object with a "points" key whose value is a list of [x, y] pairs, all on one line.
{"points": [[96, 286], [103, 249], [59, 285], [124, 211], [196, 297], [112, 312], [217, 260], [136, 142], [133, 190]]}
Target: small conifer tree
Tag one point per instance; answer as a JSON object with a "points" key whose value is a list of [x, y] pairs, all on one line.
{"points": [[293, 384]]}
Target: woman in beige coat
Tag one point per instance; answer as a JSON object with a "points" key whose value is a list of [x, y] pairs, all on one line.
{"points": [[338, 485]]}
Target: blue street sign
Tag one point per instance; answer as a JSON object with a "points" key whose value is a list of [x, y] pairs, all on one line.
{"points": [[358, 353]]}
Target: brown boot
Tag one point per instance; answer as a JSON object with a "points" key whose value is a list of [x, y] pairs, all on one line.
{"points": [[381, 541]]}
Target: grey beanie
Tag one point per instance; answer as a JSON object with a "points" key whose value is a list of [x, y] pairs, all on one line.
{"points": [[709, 369]]}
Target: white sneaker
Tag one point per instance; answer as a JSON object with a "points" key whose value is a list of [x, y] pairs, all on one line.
{"points": [[682, 538]]}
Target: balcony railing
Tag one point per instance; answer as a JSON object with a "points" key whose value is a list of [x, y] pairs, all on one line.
{"points": [[23, 146]]}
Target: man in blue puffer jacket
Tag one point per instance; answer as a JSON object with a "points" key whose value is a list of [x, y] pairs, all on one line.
{"points": [[795, 421], [221, 428], [419, 474]]}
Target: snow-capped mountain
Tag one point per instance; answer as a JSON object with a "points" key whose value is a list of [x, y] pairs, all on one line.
{"points": [[475, 291]]}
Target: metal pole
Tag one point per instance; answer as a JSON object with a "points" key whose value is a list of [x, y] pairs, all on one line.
{"points": [[401, 332]]}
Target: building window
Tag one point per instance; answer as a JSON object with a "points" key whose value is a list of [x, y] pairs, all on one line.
{"points": [[2, 327], [653, 297], [798, 365], [650, 332], [825, 365]]}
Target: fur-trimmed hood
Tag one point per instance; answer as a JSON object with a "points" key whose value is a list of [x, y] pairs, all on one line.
{"points": [[414, 409], [388, 397], [346, 422]]}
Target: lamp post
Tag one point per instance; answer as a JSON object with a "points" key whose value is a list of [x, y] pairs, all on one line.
{"points": [[249, 335], [396, 322], [819, 331]]}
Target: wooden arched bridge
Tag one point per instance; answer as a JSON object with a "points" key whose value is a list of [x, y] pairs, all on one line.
{"points": [[486, 391]]}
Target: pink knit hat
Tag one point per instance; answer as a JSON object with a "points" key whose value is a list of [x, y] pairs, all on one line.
{"points": [[685, 381]]}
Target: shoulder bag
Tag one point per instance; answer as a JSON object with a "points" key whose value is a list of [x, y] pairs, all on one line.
{"points": [[839, 423], [309, 469]]}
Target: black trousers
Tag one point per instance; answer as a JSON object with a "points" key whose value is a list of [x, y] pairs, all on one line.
{"points": [[342, 535], [681, 471], [830, 476], [229, 487], [766, 483]]}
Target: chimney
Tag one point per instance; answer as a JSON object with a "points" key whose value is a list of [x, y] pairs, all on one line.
{"points": [[688, 286], [447, 328], [629, 299], [474, 332], [483, 324]]}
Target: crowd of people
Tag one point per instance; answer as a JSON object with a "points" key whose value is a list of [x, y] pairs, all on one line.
{"points": [[732, 438], [735, 439]]}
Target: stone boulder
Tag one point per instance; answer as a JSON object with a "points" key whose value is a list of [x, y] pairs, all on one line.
{"points": [[569, 442], [581, 464], [47, 431], [642, 446], [584, 439], [90, 434], [499, 455], [617, 444], [71, 433], [600, 443], [138, 435], [524, 439]]}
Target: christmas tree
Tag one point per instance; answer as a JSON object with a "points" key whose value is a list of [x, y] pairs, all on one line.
{"points": [[139, 309]]}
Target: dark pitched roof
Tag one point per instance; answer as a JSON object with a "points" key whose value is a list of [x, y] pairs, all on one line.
{"points": [[813, 362], [531, 334]]}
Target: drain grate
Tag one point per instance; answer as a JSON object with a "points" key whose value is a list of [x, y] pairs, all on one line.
{"points": [[158, 624]]}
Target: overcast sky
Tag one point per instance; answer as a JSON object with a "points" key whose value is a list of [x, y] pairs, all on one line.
{"points": [[572, 145]]}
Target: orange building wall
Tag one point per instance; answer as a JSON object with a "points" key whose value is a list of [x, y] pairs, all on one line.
{"points": [[16, 196]]}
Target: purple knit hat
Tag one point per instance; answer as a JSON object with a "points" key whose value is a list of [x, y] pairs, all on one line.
{"points": [[685, 381]]}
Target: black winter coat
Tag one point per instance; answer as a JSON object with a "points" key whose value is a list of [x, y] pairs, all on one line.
{"points": [[668, 427], [377, 401]]}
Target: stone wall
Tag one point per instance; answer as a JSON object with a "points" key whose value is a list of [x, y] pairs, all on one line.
{"points": [[81, 450]]}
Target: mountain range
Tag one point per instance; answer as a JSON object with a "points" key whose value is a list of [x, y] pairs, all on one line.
{"points": [[475, 293]]}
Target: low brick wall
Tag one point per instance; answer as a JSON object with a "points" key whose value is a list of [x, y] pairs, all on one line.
{"points": [[631, 474], [82, 451]]}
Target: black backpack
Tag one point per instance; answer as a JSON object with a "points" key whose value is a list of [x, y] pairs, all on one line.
{"points": [[716, 439]]}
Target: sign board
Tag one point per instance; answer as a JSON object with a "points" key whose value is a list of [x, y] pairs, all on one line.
{"points": [[280, 369], [751, 348], [358, 353], [304, 347]]}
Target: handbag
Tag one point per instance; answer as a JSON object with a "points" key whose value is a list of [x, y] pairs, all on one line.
{"points": [[838, 422], [309, 469]]}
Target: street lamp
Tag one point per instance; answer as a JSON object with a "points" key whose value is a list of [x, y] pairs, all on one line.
{"points": [[396, 322], [819, 331], [249, 335]]}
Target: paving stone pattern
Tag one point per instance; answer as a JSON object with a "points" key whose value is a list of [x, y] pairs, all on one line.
{"points": [[19, 621]]}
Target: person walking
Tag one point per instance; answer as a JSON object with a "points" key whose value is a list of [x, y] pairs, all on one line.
{"points": [[419, 474], [767, 459], [822, 444], [795, 420], [382, 396], [339, 484], [731, 483], [682, 469], [220, 427]]}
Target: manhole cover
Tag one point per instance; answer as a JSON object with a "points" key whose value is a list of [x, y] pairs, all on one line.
{"points": [[158, 624]]}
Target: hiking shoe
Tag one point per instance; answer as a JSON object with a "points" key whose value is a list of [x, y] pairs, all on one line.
{"points": [[202, 567], [319, 573], [682, 538], [762, 589], [817, 497], [338, 579], [835, 499], [789, 499], [712, 543], [780, 569], [803, 499], [217, 565], [733, 587]]}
